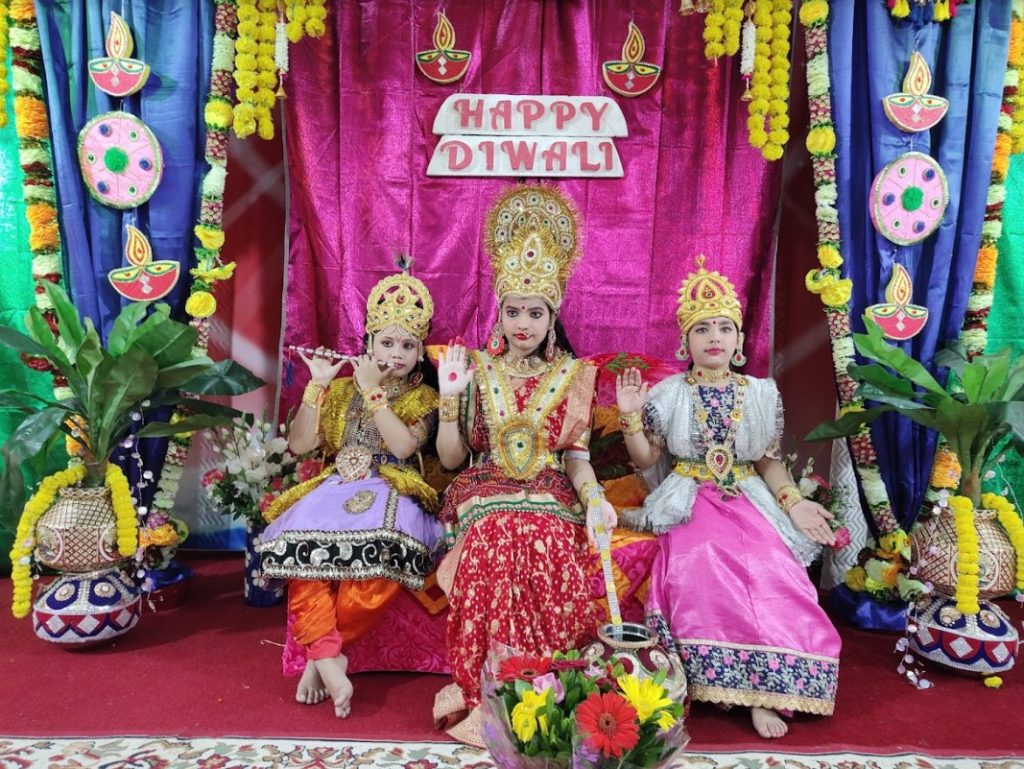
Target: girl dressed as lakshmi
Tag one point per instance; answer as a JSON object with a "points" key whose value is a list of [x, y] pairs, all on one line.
{"points": [[515, 575], [350, 537], [729, 589]]}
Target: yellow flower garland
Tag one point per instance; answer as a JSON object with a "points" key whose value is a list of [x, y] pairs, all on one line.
{"points": [[778, 107], [714, 30], [25, 538], [966, 555], [255, 70], [124, 509], [946, 470], [1011, 522]]}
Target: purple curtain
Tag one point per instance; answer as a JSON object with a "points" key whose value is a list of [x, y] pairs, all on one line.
{"points": [[359, 119]]}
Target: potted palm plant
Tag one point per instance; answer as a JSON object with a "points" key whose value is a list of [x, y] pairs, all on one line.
{"points": [[83, 519], [973, 547]]}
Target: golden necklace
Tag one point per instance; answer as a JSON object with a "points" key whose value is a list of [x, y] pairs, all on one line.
{"points": [[702, 375], [719, 456], [523, 368]]}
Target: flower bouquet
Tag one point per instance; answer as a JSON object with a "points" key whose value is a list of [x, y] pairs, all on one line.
{"points": [[253, 468], [565, 710], [815, 488]]}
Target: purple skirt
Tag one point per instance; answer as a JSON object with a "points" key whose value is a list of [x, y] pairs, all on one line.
{"points": [[353, 530]]}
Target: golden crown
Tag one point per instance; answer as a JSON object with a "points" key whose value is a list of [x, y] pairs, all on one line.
{"points": [[707, 294], [400, 300], [531, 239]]}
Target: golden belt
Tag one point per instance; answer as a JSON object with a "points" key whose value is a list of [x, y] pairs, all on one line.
{"points": [[700, 472]]}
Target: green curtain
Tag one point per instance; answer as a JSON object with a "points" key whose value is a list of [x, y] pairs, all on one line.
{"points": [[17, 293], [1006, 320]]}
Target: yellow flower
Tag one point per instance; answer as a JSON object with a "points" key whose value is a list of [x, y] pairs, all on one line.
{"points": [[946, 470], [524, 715], [813, 12], [838, 293], [855, 579], [201, 304], [821, 140], [218, 114], [993, 682], [213, 274], [644, 695], [894, 543], [210, 237], [666, 721], [961, 505], [829, 256]]}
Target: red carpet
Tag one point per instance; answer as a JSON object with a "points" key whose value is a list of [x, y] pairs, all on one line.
{"points": [[211, 668]]}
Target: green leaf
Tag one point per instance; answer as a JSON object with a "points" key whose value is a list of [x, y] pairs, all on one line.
{"points": [[224, 378], [167, 341], [847, 425], [124, 326], [90, 351], [872, 393], [961, 424], [186, 425], [176, 375], [952, 357], [874, 346], [25, 401], [207, 407], [879, 377], [116, 386], [998, 374], [973, 379], [39, 330], [68, 322]]}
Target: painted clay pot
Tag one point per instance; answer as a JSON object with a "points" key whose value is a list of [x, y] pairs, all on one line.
{"points": [[984, 644], [83, 609], [79, 531]]}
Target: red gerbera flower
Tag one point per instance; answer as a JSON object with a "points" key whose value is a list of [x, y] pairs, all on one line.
{"points": [[608, 723], [524, 668]]}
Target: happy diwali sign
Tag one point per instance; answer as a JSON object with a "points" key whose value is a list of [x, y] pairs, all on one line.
{"points": [[502, 135]]}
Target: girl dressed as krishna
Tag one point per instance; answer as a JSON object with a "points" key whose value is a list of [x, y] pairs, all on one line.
{"points": [[515, 575], [348, 539], [729, 589]]}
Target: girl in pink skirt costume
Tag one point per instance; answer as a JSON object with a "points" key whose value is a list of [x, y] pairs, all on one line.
{"points": [[729, 589]]}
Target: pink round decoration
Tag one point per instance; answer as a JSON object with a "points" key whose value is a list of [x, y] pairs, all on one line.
{"points": [[909, 198], [120, 158]]}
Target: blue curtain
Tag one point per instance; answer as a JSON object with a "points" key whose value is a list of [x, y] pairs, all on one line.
{"points": [[175, 37], [869, 53]]}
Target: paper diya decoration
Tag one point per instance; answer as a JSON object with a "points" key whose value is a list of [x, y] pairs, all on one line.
{"points": [[897, 317], [116, 73], [121, 160], [909, 198], [442, 63], [145, 280], [914, 109], [630, 76]]}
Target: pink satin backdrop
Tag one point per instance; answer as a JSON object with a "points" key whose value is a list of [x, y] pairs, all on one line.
{"points": [[359, 119]]}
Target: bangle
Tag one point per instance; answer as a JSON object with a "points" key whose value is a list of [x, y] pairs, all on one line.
{"points": [[313, 395], [788, 496], [376, 399], [631, 422], [448, 408], [591, 493]]}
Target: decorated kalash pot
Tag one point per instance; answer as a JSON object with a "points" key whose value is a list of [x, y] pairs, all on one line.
{"points": [[82, 609], [635, 646], [982, 643]]}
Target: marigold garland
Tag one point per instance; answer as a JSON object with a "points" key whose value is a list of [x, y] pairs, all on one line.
{"points": [[827, 281], [25, 538], [255, 70], [1010, 520], [967, 568], [1016, 66], [305, 17], [124, 509], [32, 126]]}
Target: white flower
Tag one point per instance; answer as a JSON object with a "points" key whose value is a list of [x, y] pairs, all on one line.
{"points": [[233, 467]]}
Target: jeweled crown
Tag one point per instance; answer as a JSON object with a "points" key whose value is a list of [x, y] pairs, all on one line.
{"points": [[707, 294], [400, 300], [531, 239]]}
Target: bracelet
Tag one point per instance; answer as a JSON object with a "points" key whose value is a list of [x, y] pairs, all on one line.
{"points": [[631, 422], [376, 399], [448, 408], [591, 493], [788, 496], [313, 395]]}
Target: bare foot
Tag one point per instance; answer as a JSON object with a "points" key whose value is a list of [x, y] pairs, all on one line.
{"points": [[311, 689], [768, 723], [332, 671]]}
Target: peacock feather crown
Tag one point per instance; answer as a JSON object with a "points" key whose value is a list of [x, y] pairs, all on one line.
{"points": [[400, 300], [531, 239], [707, 294]]}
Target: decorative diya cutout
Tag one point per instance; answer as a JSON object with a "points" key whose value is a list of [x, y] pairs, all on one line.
{"points": [[909, 198], [116, 73], [897, 317], [145, 280], [121, 160], [914, 109], [442, 63], [630, 76]]}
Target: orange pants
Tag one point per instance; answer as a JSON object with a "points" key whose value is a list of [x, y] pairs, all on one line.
{"points": [[329, 613]]}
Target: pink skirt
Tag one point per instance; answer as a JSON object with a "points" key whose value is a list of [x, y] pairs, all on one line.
{"points": [[728, 594]]}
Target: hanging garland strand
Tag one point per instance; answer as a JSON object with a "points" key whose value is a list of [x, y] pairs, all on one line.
{"points": [[827, 281], [1016, 59], [33, 129], [4, 43]]}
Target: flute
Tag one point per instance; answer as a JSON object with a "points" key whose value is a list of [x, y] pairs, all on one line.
{"points": [[324, 352]]}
